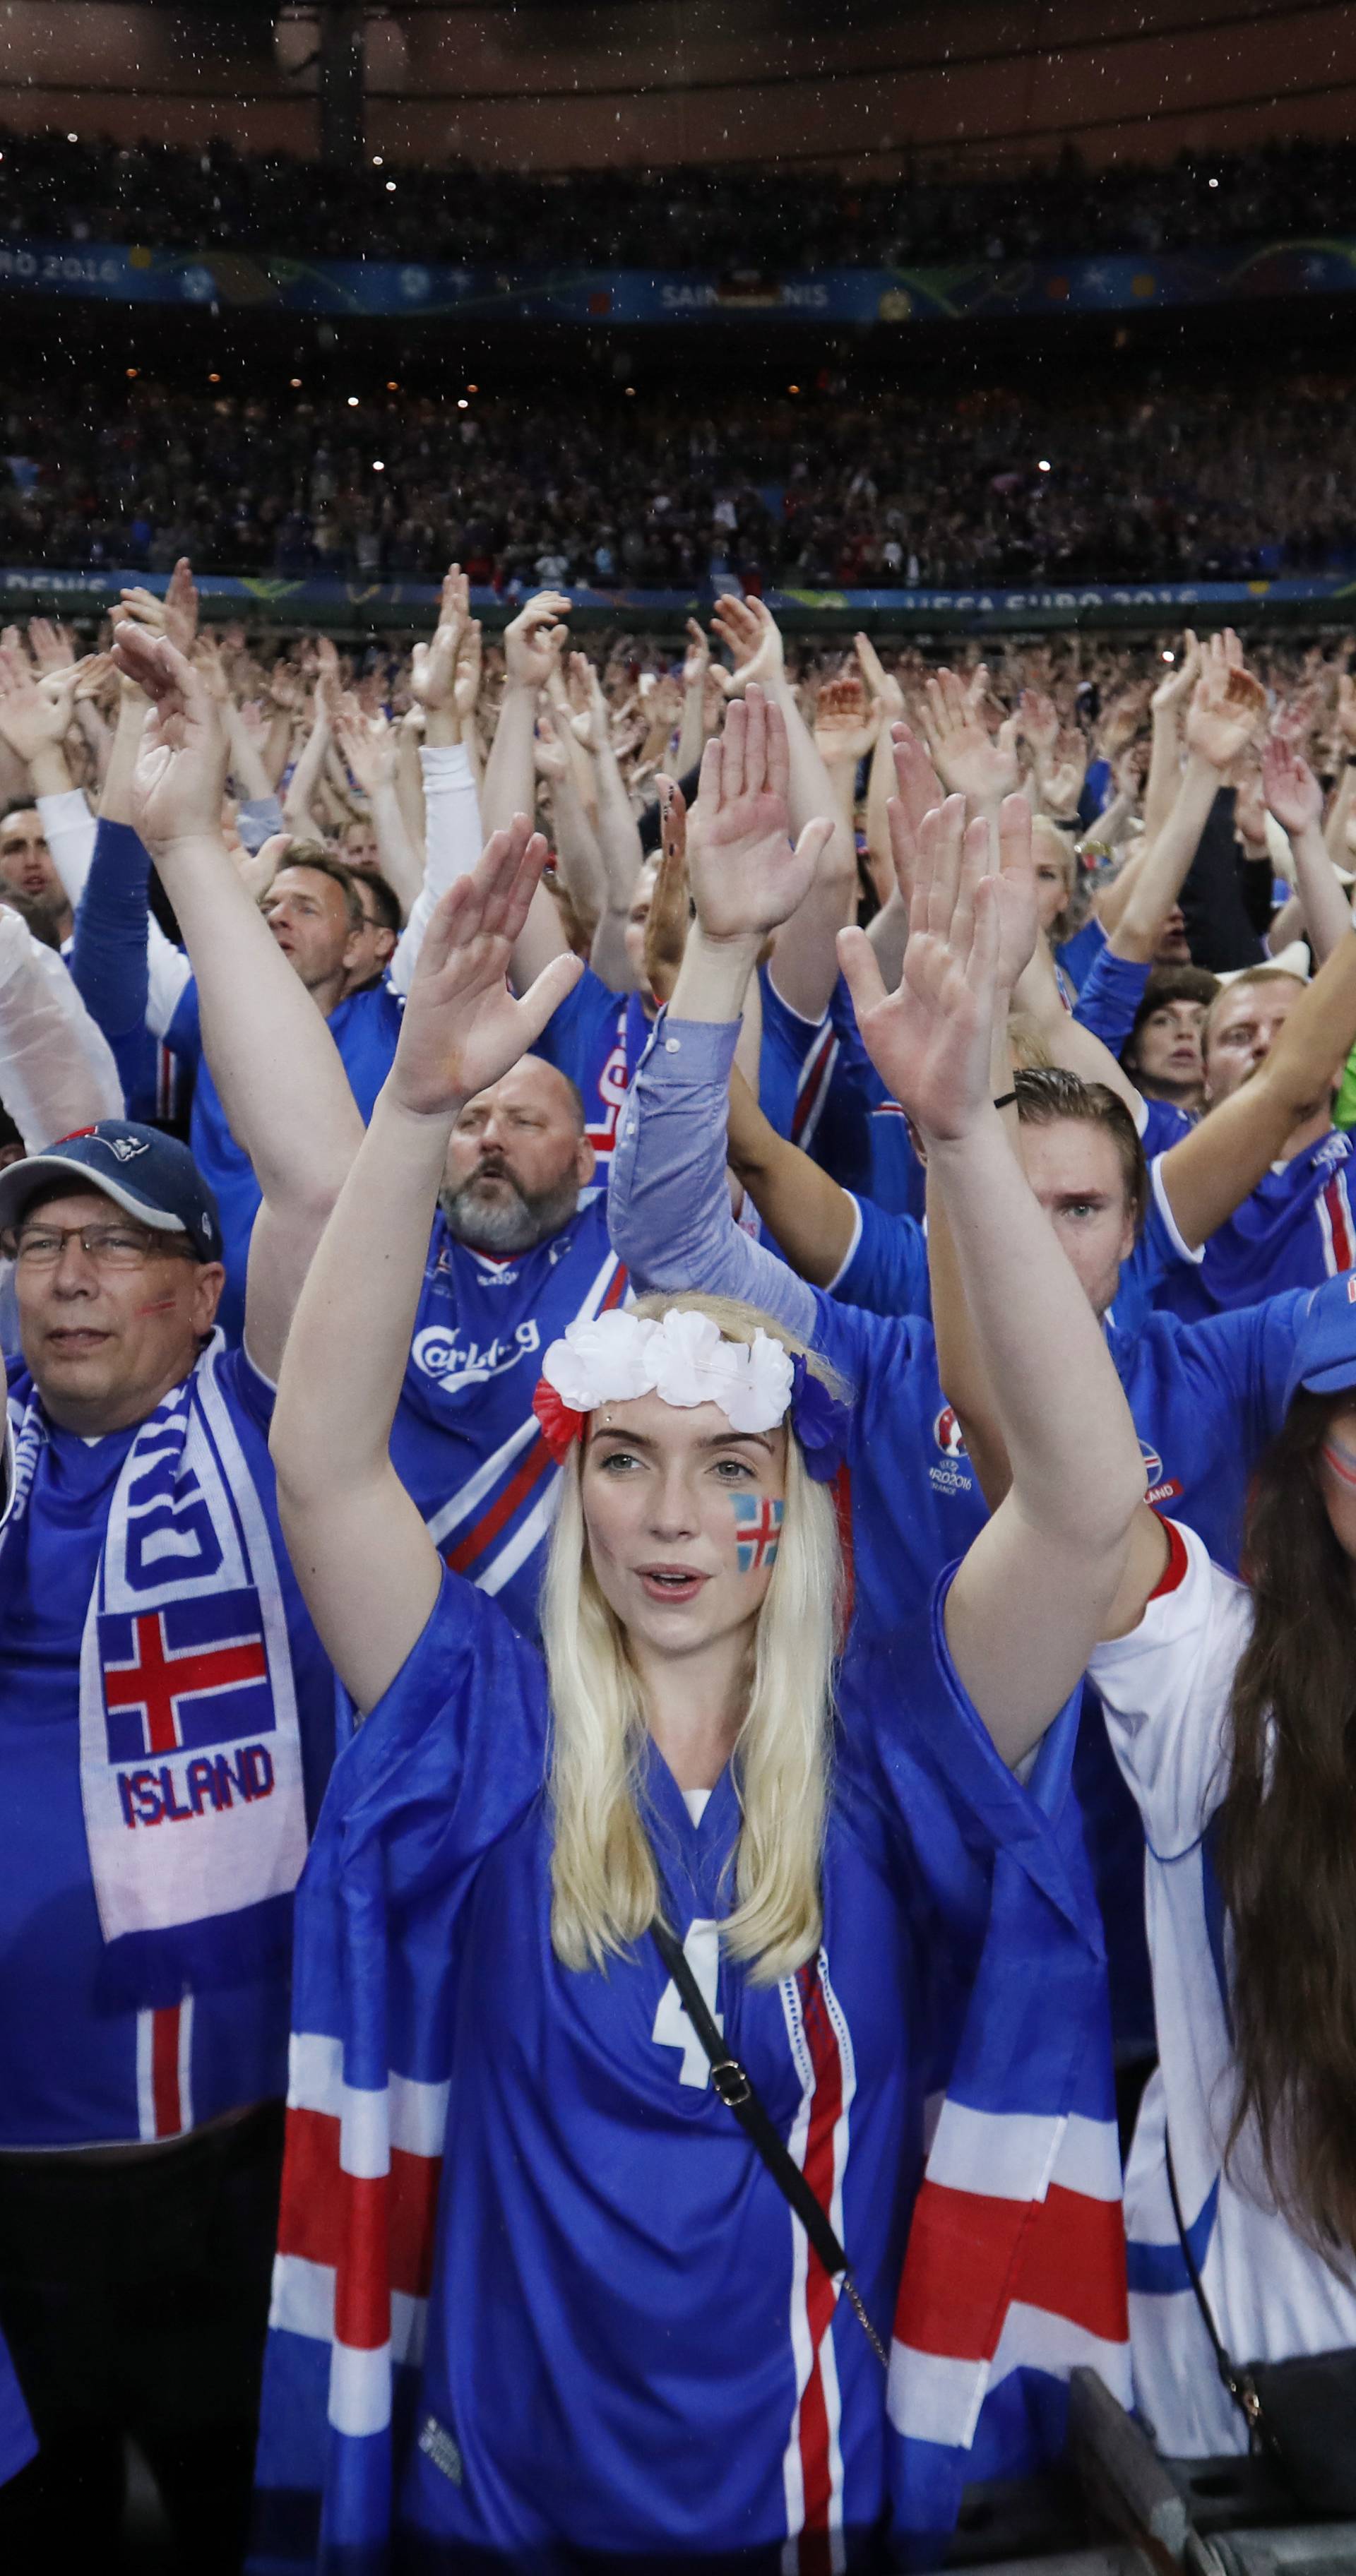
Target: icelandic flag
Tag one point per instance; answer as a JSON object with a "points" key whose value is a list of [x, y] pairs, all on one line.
{"points": [[1014, 2272], [189, 1674]]}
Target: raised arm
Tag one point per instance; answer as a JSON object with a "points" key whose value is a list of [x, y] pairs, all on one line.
{"points": [[272, 1058], [1212, 1170], [814, 1221], [804, 964], [1295, 798], [1167, 711], [668, 1204], [618, 839], [693, 729], [365, 1561], [452, 838], [533, 642], [368, 745], [1040, 1582]]}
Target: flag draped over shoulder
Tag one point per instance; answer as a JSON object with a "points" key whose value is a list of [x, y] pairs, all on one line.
{"points": [[1015, 2268]]}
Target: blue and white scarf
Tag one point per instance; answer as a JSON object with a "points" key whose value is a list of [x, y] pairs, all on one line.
{"points": [[190, 1750]]}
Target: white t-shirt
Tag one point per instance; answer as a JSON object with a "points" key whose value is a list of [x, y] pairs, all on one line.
{"points": [[1166, 1690]]}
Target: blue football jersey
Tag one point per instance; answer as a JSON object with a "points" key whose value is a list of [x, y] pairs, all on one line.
{"points": [[1293, 1231], [75, 2070], [597, 1037], [465, 1442], [1164, 1126], [364, 1028], [1109, 997], [812, 1086]]}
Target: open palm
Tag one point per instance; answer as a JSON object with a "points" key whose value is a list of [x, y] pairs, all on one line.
{"points": [[463, 1027], [931, 1039], [746, 877]]}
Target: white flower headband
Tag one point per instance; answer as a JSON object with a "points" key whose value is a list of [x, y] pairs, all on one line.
{"points": [[685, 1359]]}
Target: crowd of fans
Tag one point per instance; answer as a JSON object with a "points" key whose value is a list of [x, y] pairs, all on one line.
{"points": [[387, 1041], [80, 188], [830, 485]]}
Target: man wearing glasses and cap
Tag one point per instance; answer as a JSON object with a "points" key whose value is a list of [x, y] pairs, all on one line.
{"points": [[167, 1720]]}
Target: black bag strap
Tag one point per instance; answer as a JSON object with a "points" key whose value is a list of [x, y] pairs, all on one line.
{"points": [[1239, 2383], [735, 2087]]}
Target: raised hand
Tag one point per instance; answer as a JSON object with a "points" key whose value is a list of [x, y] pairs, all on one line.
{"points": [[846, 722], [1063, 782], [535, 639], [1228, 706], [753, 638], [552, 758], [697, 658], [666, 922], [35, 716], [1290, 788], [1038, 722], [968, 761], [50, 646], [745, 876], [433, 679], [882, 685], [206, 658], [590, 718], [920, 790], [463, 1027], [1177, 684], [466, 686], [367, 745], [180, 774], [181, 606], [931, 1040]]}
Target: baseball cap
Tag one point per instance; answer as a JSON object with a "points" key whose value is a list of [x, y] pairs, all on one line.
{"points": [[1324, 1356], [152, 1176]]}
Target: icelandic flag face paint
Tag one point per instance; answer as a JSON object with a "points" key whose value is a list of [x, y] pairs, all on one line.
{"points": [[758, 1520]]}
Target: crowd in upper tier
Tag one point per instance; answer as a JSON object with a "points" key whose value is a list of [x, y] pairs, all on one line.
{"points": [[55, 185], [839, 483]]}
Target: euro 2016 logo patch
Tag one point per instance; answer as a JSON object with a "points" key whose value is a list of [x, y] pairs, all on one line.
{"points": [[758, 1520]]}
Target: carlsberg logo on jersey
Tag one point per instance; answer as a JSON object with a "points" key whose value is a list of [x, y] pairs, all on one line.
{"points": [[441, 1352]]}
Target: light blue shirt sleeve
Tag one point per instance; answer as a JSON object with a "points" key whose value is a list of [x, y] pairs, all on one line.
{"points": [[668, 1200]]}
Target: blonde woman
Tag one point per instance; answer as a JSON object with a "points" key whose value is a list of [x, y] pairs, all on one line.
{"points": [[632, 2348]]}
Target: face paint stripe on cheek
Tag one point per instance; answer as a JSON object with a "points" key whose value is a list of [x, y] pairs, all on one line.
{"points": [[1341, 1460], [158, 1306], [759, 1518]]}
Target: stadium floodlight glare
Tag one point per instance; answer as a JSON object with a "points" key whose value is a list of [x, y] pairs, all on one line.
{"points": [[473, 389], [377, 162], [1169, 657], [72, 138], [1042, 465], [295, 383], [378, 464], [353, 402], [462, 403], [391, 386], [390, 187], [1212, 183]]}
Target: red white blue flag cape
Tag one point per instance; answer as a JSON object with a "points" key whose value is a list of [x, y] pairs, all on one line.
{"points": [[1014, 2271]]}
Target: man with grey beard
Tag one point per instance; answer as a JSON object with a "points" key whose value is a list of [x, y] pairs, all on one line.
{"points": [[517, 1253]]}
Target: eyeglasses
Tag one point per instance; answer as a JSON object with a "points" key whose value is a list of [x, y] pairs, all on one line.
{"points": [[106, 1247]]}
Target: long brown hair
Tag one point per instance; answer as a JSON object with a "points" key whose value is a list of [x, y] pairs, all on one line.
{"points": [[1286, 1852]]}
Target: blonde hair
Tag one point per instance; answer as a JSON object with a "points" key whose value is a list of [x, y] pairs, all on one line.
{"points": [[605, 1886]]}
